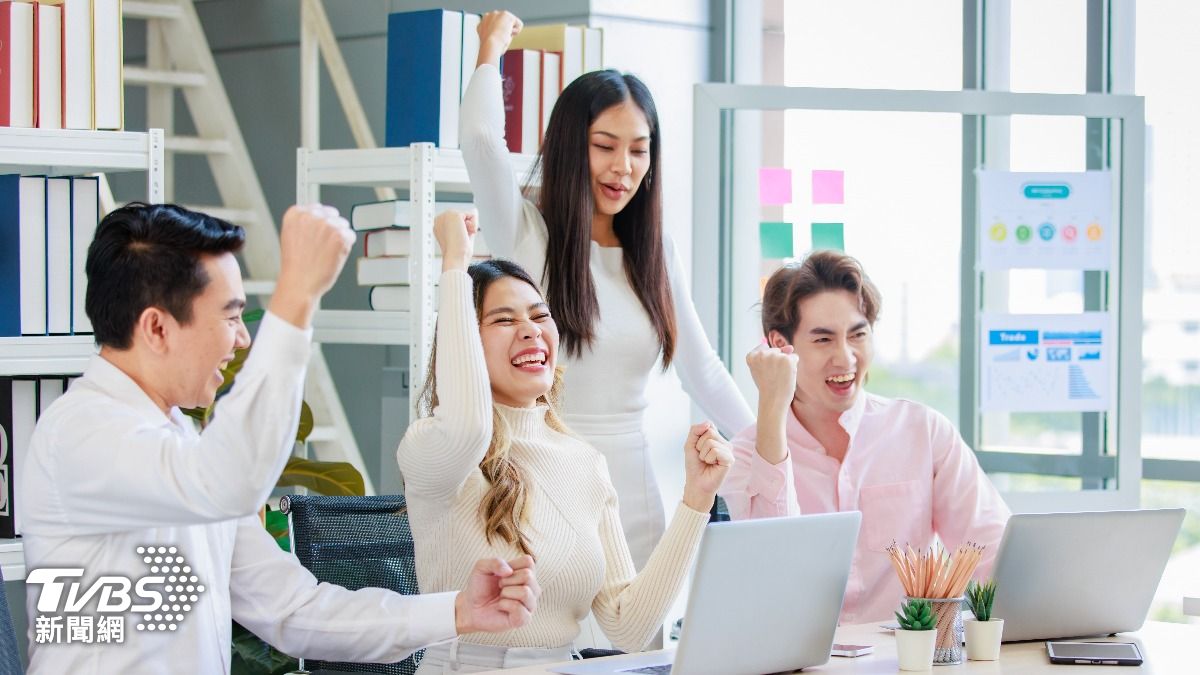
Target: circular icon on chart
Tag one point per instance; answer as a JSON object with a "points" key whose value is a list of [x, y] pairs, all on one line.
{"points": [[1094, 232], [1070, 233], [999, 232], [1024, 233], [1046, 231]]}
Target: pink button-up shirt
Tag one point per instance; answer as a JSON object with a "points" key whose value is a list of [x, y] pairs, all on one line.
{"points": [[908, 471]]}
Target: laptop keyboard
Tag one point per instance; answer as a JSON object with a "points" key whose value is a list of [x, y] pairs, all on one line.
{"points": [[652, 670]]}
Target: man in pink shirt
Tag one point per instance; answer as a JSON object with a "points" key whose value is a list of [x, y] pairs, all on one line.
{"points": [[822, 443]]}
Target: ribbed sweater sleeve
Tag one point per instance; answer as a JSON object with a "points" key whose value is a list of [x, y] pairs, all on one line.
{"points": [[630, 606], [438, 452], [481, 136]]}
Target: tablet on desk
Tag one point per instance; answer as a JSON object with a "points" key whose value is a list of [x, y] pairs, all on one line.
{"points": [[1095, 653]]}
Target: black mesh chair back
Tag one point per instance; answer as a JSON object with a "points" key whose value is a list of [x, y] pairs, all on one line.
{"points": [[10, 657], [719, 513], [355, 542]]}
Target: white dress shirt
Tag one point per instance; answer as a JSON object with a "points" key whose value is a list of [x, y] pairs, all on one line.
{"points": [[109, 472]]}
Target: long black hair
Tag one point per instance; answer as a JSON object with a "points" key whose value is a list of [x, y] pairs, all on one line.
{"points": [[566, 203]]}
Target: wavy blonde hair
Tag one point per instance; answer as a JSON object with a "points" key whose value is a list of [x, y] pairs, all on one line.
{"points": [[502, 509]]}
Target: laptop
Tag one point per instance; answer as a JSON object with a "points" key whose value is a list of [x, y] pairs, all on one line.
{"points": [[765, 598], [1061, 575]]}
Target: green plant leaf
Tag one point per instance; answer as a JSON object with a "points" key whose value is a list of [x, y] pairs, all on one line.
{"points": [[250, 316], [232, 368], [253, 656], [980, 598], [325, 478], [917, 615], [198, 414], [306, 422], [277, 527]]}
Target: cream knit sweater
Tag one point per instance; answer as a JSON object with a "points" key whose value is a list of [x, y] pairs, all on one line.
{"points": [[572, 519]]}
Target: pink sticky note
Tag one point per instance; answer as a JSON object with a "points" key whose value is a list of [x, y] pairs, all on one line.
{"points": [[774, 186], [828, 186]]}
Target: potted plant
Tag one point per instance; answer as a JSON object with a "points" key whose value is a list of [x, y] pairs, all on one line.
{"points": [[916, 635], [984, 632]]}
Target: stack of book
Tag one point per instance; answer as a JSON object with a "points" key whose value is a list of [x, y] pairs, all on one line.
{"points": [[22, 402], [432, 55], [61, 64], [46, 226], [387, 246]]}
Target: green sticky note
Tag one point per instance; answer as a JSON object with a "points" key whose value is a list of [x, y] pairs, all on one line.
{"points": [[828, 236], [775, 240]]}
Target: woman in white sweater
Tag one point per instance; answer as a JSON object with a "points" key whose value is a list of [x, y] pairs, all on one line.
{"points": [[493, 471], [595, 243]]}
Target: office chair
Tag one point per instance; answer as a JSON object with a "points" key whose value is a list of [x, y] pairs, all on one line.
{"points": [[719, 513], [355, 542], [10, 658]]}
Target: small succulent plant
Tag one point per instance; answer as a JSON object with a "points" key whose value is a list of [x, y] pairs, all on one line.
{"points": [[916, 614], [980, 598]]}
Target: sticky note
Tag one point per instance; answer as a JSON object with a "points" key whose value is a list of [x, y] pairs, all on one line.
{"points": [[828, 186], [828, 236], [774, 186], [775, 240]]}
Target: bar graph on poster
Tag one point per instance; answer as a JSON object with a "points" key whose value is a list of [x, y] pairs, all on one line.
{"points": [[1046, 220], [1045, 362]]}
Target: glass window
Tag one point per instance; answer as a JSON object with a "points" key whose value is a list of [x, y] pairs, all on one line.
{"points": [[888, 161], [868, 44], [1048, 47]]}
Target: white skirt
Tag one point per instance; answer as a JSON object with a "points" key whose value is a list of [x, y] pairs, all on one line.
{"points": [[621, 439]]}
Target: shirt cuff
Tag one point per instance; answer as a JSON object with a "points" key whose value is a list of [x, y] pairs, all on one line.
{"points": [[770, 481], [432, 618]]}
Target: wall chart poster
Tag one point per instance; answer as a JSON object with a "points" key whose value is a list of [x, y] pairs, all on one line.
{"points": [[1046, 362], [1046, 220]]}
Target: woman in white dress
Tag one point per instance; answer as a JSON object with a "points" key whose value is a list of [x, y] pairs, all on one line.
{"points": [[594, 241]]}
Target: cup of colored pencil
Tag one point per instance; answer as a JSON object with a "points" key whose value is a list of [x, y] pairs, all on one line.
{"points": [[941, 578]]}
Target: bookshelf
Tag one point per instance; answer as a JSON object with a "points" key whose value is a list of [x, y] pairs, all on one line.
{"points": [[12, 559], [64, 152], [51, 355], [425, 171]]}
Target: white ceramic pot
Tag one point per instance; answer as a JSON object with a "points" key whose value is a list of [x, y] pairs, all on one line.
{"points": [[983, 639], [915, 649]]}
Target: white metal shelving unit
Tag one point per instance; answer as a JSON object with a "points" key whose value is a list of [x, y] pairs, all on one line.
{"points": [[424, 170], [63, 152], [52, 355]]}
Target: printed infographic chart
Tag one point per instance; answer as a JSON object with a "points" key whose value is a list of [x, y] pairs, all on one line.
{"points": [[1046, 362], [1046, 220]]}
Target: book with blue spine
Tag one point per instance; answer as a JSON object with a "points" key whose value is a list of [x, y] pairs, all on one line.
{"points": [[23, 308], [424, 77]]}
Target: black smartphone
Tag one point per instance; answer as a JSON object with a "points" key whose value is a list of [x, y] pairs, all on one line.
{"points": [[1095, 653]]}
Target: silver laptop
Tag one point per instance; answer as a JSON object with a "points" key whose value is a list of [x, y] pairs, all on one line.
{"points": [[765, 598], [1062, 575]]}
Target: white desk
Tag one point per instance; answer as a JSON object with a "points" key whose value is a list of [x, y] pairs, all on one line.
{"points": [[1169, 649]]}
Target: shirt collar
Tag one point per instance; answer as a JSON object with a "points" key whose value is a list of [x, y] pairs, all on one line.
{"points": [[849, 420], [113, 381], [852, 418]]}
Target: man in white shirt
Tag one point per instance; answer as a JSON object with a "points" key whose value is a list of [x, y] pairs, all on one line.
{"points": [[126, 499]]}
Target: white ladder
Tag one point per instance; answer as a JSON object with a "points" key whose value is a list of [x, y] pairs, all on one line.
{"points": [[178, 57]]}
